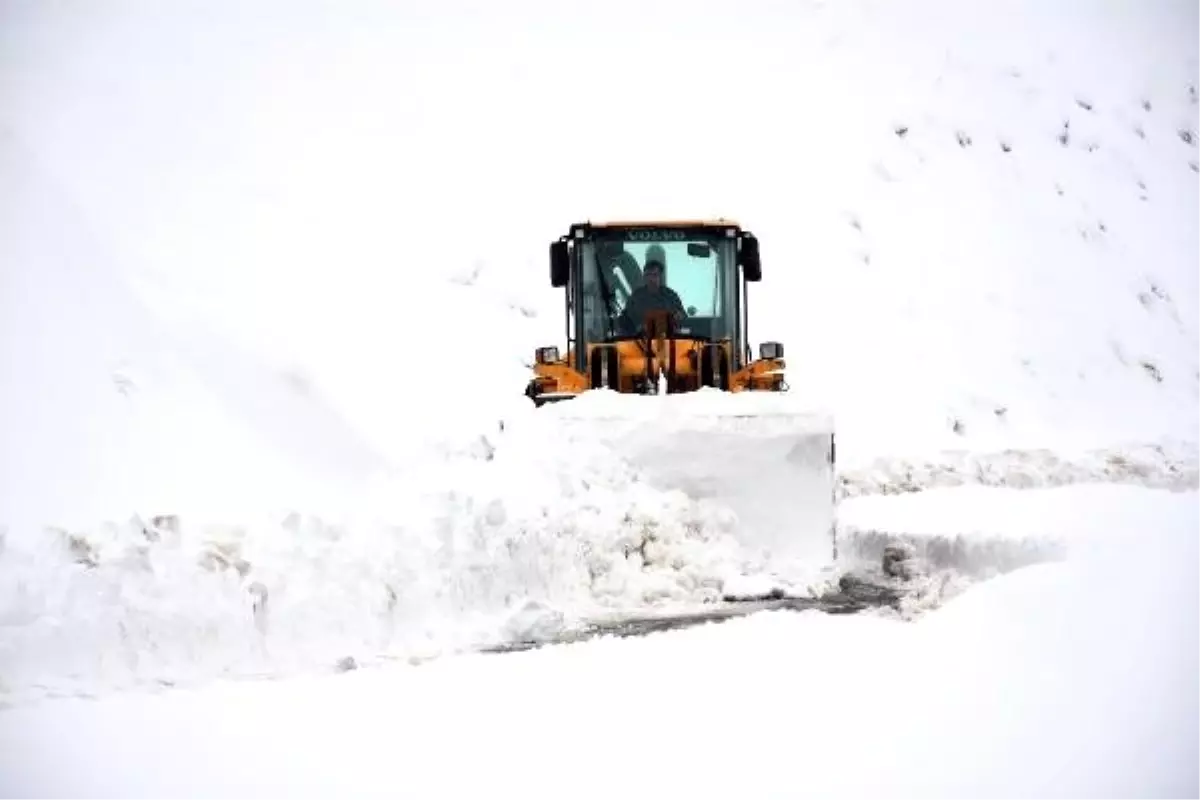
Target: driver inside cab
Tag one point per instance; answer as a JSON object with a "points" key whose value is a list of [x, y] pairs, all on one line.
{"points": [[652, 295]]}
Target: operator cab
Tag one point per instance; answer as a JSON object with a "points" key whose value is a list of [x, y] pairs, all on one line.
{"points": [[602, 265]]}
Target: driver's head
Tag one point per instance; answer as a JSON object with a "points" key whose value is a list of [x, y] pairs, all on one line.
{"points": [[655, 252], [653, 272]]}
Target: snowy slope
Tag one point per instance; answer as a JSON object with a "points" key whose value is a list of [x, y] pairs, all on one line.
{"points": [[110, 408], [306, 254], [1003, 202], [928, 230]]}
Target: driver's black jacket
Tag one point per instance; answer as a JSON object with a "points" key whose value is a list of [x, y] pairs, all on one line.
{"points": [[644, 300]]}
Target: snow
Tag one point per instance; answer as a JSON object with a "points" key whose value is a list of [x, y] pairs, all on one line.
{"points": [[110, 408], [270, 278], [744, 451], [959, 539], [1082, 512], [1073, 679], [430, 569]]}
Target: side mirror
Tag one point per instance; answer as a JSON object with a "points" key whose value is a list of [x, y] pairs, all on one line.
{"points": [[560, 263], [751, 265]]}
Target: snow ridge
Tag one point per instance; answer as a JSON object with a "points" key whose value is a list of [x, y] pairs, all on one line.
{"points": [[1174, 466]]}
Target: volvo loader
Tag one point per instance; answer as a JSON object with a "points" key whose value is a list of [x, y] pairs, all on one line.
{"points": [[658, 365]]}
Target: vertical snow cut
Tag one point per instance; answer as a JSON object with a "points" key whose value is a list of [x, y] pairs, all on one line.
{"points": [[764, 463]]}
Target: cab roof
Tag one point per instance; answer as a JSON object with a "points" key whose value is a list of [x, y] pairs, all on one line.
{"points": [[711, 222]]}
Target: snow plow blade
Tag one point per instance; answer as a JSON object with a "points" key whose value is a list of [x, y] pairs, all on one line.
{"points": [[754, 454]]}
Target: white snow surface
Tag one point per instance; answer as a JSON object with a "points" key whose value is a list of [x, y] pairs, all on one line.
{"points": [[1076, 514], [270, 279], [1068, 679], [112, 408]]}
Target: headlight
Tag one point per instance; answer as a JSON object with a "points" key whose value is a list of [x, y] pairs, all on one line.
{"points": [[547, 355], [770, 350]]}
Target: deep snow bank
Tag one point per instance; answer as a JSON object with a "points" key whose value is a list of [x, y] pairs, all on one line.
{"points": [[467, 549], [766, 460], [956, 539], [1073, 679]]}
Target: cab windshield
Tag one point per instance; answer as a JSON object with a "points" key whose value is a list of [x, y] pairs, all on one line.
{"points": [[697, 266]]}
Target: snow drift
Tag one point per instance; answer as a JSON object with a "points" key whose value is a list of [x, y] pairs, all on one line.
{"points": [[264, 278], [1072, 679]]}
